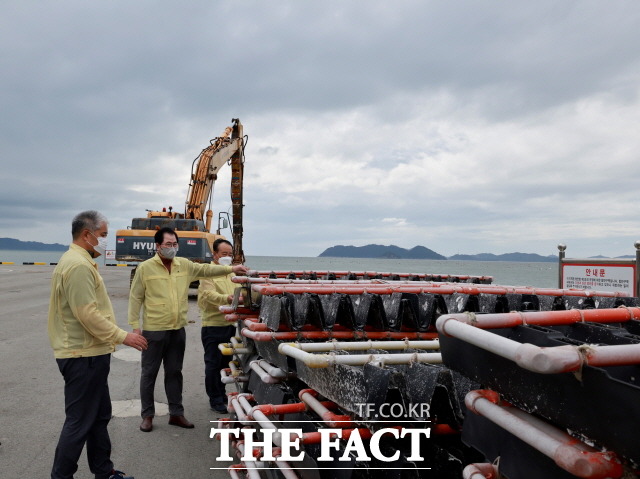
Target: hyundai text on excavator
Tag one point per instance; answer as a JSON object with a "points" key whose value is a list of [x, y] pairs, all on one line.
{"points": [[137, 243]]}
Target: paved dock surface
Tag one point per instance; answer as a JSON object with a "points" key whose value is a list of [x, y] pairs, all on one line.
{"points": [[32, 399]]}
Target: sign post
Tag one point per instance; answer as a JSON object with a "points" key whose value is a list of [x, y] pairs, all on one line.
{"points": [[602, 274]]}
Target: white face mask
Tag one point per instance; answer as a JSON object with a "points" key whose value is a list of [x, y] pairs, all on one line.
{"points": [[225, 260], [168, 252], [101, 247]]}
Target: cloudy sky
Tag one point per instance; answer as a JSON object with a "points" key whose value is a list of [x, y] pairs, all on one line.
{"points": [[463, 126]]}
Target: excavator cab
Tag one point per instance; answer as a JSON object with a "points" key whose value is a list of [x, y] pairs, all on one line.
{"points": [[224, 220]]}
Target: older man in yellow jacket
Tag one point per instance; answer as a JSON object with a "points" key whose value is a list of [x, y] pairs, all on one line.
{"points": [[213, 293], [161, 286], [83, 334]]}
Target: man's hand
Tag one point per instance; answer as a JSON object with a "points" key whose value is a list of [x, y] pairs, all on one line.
{"points": [[136, 341], [230, 299], [240, 270]]}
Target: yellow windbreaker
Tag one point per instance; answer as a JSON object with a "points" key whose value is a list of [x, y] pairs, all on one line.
{"points": [[163, 295], [213, 293], [81, 320]]}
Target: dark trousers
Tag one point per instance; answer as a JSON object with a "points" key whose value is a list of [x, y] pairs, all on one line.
{"points": [[214, 361], [88, 410], [164, 347]]}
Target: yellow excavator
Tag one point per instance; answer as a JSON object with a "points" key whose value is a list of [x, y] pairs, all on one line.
{"points": [[136, 243]]}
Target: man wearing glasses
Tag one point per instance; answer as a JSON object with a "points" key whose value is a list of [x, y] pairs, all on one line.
{"points": [[161, 286]]}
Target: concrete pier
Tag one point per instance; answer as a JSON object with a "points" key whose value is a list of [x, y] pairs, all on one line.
{"points": [[32, 399]]}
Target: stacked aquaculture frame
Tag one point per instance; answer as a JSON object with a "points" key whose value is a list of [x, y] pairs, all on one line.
{"points": [[502, 381]]}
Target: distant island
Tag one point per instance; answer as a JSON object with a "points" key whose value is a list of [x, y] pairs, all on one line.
{"points": [[377, 251], [14, 244], [380, 251], [525, 257]]}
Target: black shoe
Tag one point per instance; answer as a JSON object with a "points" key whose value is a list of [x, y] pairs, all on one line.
{"points": [[221, 408], [119, 475]]}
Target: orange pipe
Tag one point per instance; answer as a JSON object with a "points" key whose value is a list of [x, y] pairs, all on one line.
{"points": [[255, 326], [245, 280], [315, 437], [261, 326], [252, 280], [375, 288], [257, 452], [297, 336], [330, 418], [444, 430], [276, 409], [279, 274], [234, 394], [238, 310], [292, 408], [233, 317]]}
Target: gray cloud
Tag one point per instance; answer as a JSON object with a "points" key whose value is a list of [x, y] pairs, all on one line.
{"points": [[465, 127]]}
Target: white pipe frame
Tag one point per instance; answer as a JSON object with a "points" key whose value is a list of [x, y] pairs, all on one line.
{"points": [[263, 421], [549, 360], [243, 408], [233, 472], [480, 471], [228, 349], [543, 318], [235, 370], [226, 379], [234, 406], [272, 370], [581, 461], [286, 469], [252, 466], [265, 377], [328, 360], [317, 407], [404, 344]]}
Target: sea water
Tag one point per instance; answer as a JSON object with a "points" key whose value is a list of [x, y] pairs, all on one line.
{"points": [[542, 275]]}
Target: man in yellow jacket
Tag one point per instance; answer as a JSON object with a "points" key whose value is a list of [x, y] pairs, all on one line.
{"points": [[213, 293], [83, 334], [161, 285]]}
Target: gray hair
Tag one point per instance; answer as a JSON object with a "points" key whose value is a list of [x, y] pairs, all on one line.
{"points": [[87, 220]]}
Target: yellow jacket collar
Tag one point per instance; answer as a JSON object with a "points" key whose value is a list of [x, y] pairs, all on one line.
{"points": [[83, 252]]}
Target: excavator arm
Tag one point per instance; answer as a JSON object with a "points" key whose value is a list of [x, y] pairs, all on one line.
{"points": [[204, 172], [229, 147], [237, 178]]}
